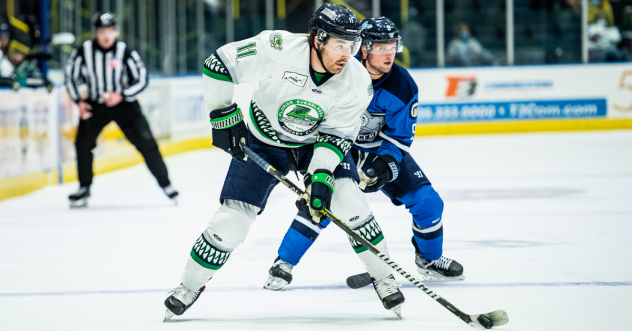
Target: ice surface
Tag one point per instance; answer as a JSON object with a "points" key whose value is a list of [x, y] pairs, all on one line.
{"points": [[541, 222]]}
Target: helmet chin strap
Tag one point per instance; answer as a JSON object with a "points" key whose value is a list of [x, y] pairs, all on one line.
{"points": [[367, 68], [320, 58]]}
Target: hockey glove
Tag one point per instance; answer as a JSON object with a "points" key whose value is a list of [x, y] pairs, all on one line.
{"points": [[229, 130], [318, 193], [383, 170]]}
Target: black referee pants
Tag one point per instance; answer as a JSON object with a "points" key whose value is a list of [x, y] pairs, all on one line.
{"points": [[130, 119]]}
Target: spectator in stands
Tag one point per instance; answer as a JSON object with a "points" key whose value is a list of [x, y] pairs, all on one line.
{"points": [[6, 67], [4, 38], [465, 50], [604, 38], [600, 9]]}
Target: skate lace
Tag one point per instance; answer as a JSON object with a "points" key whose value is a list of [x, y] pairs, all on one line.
{"points": [[184, 295], [387, 286], [443, 262], [284, 266]]}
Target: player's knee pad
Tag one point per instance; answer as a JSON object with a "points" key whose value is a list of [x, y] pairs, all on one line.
{"points": [[426, 207], [348, 203], [231, 223]]}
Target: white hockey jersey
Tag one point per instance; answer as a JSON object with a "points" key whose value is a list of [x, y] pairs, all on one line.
{"points": [[289, 108]]}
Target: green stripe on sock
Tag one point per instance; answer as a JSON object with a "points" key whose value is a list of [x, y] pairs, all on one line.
{"points": [[374, 242], [203, 263]]}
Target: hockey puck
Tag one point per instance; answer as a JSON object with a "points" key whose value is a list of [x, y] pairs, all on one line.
{"points": [[485, 321]]}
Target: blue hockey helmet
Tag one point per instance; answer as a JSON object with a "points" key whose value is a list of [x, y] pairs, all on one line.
{"points": [[331, 20], [380, 30]]}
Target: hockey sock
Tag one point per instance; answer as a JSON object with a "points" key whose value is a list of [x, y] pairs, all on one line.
{"points": [[371, 231], [299, 238], [228, 228], [203, 262], [426, 207]]}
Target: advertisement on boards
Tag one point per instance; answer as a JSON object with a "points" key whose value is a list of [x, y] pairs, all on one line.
{"points": [[524, 92]]}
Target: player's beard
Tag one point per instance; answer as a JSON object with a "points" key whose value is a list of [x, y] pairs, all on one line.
{"points": [[333, 64]]}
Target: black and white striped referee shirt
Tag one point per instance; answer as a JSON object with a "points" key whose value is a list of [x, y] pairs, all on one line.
{"points": [[118, 69]]}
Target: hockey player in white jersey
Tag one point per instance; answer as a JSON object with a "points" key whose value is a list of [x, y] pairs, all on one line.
{"points": [[382, 148], [304, 116]]}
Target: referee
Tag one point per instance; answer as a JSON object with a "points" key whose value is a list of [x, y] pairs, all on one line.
{"points": [[114, 76]]}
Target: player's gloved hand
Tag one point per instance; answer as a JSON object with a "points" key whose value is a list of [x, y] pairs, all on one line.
{"points": [[383, 170], [318, 193], [229, 130]]}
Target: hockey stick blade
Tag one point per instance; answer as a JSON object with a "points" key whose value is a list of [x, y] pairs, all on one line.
{"points": [[487, 321], [359, 280]]}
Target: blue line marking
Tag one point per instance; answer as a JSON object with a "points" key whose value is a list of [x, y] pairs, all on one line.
{"points": [[326, 287]]}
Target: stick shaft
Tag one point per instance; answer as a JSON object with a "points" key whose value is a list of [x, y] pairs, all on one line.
{"points": [[385, 258]]}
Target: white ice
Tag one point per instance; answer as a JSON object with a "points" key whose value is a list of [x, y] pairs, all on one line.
{"points": [[541, 222]]}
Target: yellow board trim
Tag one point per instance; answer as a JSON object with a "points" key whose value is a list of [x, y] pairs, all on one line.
{"points": [[522, 126], [16, 186]]}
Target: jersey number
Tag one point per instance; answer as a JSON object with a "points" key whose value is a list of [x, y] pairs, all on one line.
{"points": [[246, 50]]}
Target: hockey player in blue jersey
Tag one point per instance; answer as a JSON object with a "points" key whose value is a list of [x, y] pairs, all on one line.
{"points": [[381, 153]]}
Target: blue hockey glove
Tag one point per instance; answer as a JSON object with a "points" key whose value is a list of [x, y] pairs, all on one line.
{"points": [[229, 130], [318, 193], [383, 170]]}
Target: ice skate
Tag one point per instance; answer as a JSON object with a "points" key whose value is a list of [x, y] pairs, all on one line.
{"points": [[179, 300], [440, 270], [171, 193], [280, 275], [388, 290], [80, 198]]}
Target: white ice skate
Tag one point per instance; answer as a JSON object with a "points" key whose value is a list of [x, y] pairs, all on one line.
{"points": [[80, 198], [179, 300], [280, 275], [388, 290]]}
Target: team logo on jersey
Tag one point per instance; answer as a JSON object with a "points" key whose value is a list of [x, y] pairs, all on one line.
{"points": [[276, 41], [371, 125], [413, 110], [370, 89], [300, 117], [294, 78]]}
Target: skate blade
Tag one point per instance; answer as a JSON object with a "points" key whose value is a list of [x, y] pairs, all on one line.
{"points": [[432, 276], [175, 200], [168, 315], [397, 310], [81, 203], [274, 284]]}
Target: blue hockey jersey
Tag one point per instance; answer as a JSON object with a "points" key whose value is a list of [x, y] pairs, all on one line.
{"points": [[388, 125]]}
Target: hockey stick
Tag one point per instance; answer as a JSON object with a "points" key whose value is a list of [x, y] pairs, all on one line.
{"points": [[495, 318]]}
